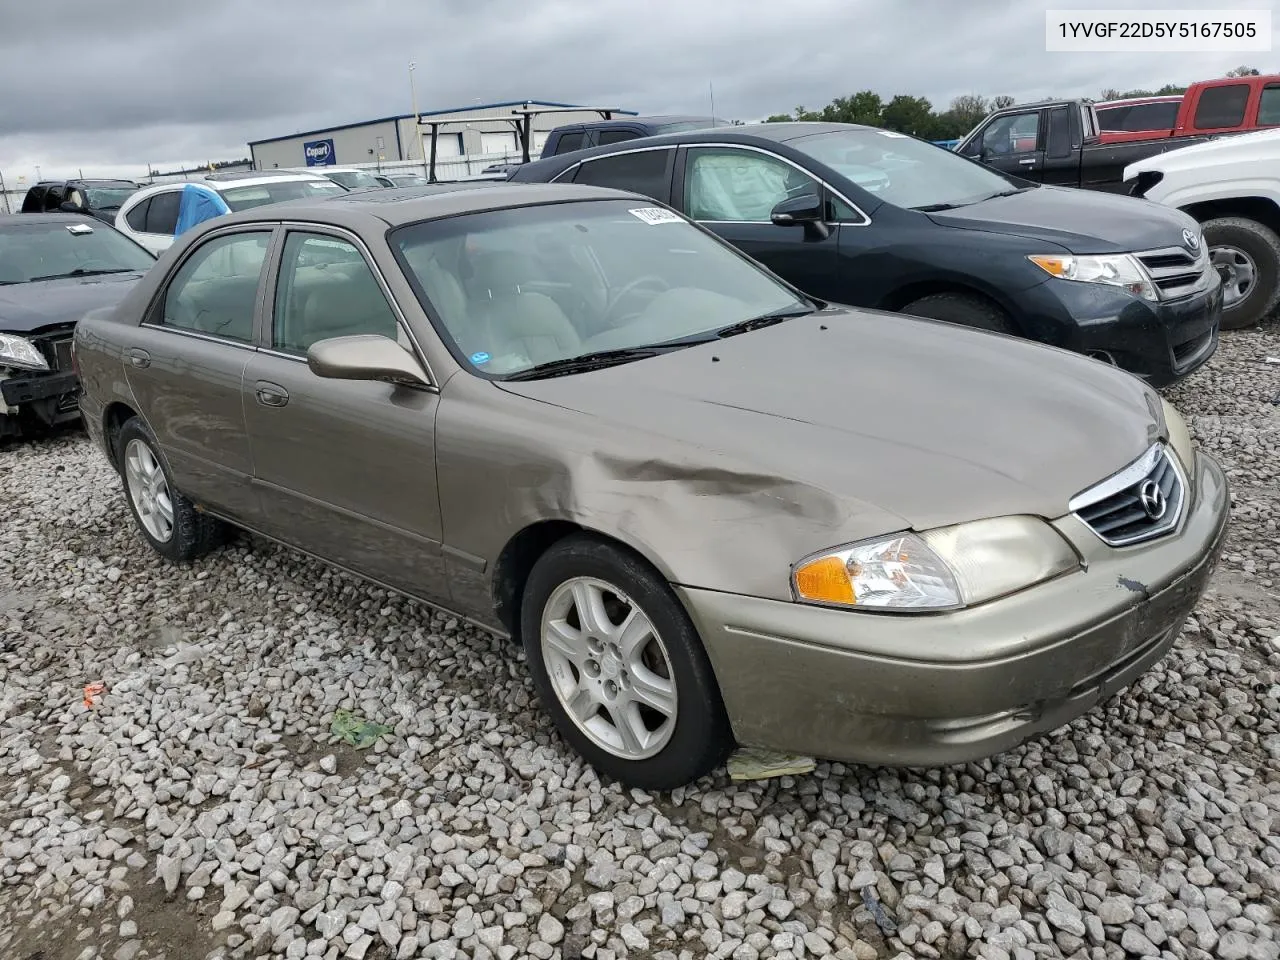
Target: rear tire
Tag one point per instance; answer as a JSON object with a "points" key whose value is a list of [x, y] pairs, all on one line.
{"points": [[963, 308], [1247, 256], [646, 709], [166, 519]]}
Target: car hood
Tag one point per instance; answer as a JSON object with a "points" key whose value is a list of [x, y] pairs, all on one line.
{"points": [[899, 422], [1082, 221], [25, 307]]}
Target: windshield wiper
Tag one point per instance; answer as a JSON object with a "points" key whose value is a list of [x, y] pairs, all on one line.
{"points": [[935, 207], [585, 362], [764, 320], [81, 272]]}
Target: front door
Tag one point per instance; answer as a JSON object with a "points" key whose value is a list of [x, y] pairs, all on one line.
{"points": [[1015, 143], [733, 190], [345, 469], [184, 363]]}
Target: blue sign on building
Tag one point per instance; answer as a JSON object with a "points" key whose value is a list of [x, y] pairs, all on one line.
{"points": [[319, 153]]}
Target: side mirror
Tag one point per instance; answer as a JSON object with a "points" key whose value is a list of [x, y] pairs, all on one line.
{"points": [[797, 210], [66, 206], [365, 357]]}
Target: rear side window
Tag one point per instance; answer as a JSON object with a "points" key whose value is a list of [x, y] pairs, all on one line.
{"points": [[136, 218], [1140, 117], [1269, 106], [215, 290], [615, 136], [645, 171], [1221, 106], [162, 215], [570, 142]]}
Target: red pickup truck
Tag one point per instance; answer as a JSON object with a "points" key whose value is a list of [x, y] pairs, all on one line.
{"points": [[1209, 107]]}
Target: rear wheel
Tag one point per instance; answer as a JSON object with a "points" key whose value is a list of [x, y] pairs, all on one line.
{"points": [[620, 668], [1246, 255], [963, 308], [166, 519]]}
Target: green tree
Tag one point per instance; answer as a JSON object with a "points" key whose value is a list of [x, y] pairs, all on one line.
{"points": [[1111, 93], [1002, 101], [908, 114], [1243, 72], [778, 118]]}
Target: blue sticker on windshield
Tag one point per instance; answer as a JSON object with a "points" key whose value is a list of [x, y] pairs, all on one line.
{"points": [[479, 358]]}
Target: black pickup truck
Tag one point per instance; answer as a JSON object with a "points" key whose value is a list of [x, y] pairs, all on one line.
{"points": [[1058, 142]]}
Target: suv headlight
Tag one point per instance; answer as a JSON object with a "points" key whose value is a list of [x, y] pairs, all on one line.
{"points": [[942, 569], [20, 352], [1117, 270]]}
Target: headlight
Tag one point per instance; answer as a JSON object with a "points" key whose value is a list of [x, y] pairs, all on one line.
{"points": [[20, 352], [1117, 270], [941, 569], [1179, 436]]}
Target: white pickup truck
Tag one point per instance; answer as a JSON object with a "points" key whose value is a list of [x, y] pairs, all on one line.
{"points": [[1232, 186]]}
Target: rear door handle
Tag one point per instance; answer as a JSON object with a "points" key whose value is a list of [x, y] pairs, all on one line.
{"points": [[271, 394], [139, 357]]}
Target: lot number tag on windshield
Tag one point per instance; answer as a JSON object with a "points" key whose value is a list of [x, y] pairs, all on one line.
{"points": [[654, 215]]}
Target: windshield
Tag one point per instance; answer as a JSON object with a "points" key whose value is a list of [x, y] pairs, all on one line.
{"points": [[354, 179], [408, 180], [104, 198], [67, 248], [901, 170], [277, 191], [527, 286]]}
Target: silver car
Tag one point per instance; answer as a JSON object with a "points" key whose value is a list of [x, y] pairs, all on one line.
{"points": [[712, 509]]}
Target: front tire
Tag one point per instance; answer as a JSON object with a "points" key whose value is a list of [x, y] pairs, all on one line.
{"points": [[962, 308], [1246, 255], [166, 519], [619, 667]]}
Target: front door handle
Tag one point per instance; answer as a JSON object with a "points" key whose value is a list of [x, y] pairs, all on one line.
{"points": [[139, 358], [1028, 163], [271, 394]]}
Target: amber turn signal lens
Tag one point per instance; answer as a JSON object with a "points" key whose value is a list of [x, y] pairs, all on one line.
{"points": [[825, 580]]}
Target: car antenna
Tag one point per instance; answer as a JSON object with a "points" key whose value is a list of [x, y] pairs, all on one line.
{"points": [[712, 90]]}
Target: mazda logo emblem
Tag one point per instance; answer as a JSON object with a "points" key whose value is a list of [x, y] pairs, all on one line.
{"points": [[1152, 499], [1191, 241]]}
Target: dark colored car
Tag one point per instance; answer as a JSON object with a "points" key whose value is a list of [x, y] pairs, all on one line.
{"points": [[873, 218], [98, 198], [602, 133], [54, 269]]}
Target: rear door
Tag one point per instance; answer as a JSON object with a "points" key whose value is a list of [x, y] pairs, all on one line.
{"points": [[345, 468], [184, 364], [732, 189]]}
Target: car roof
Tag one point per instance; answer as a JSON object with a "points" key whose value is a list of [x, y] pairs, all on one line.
{"points": [[396, 206], [33, 219]]}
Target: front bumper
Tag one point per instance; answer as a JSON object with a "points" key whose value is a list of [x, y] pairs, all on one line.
{"points": [[47, 399], [927, 690], [1160, 342]]}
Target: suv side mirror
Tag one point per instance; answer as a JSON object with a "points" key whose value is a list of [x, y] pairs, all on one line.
{"points": [[806, 210]]}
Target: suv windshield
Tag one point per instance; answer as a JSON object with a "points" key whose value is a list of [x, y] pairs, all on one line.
{"points": [[107, 198], [66, 248], [277, 191], [530, 286], [353, 179], [903, 171]]}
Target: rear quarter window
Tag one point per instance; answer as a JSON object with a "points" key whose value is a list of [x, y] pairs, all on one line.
{"points": [[1221, 107]]}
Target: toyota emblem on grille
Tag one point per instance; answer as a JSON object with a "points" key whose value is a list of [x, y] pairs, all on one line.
{"points": [[1152, 499], [1191, 241]]}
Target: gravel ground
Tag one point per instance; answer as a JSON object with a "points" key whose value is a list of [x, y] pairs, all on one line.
{"points": [[200, 808]]}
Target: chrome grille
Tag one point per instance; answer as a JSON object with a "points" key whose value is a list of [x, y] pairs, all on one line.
{"points": [[1141, 502], [1176, 272]]}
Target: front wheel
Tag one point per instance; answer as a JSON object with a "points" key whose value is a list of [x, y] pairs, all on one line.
{"points": [[620, 668], [963, 308], [166, 519], [1246, 255]]}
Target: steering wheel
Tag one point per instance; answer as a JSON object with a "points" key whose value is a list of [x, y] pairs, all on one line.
{"points": [[652, 281]]}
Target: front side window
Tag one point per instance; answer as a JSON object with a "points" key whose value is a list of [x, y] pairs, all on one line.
{"points": [[902, 170], [258, 194], [513, 289], [326, 289], [216, 288], [53, 251], [724, 185], [1221, 107], [1010, 134], [647, 172]]}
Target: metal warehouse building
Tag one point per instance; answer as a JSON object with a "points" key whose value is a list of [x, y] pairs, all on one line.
{"points": [[483, 130]]}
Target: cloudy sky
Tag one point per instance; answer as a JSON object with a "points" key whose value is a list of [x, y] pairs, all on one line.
{"points": [[109, 87]]}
